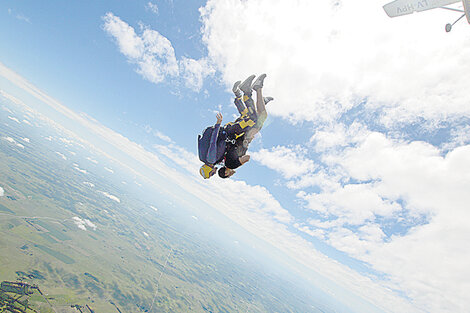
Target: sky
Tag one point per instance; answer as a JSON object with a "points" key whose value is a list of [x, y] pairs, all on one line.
{"points": [[361, 171]]}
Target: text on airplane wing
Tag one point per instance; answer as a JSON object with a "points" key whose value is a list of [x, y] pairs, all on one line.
{"points": [[403, 7]]}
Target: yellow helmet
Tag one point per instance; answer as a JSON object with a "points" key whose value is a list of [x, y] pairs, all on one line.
{"points": [[206, 171]]}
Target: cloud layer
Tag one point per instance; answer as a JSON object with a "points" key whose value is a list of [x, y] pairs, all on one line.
{"points": [[401, 207], [377, 90], [325, 59]]}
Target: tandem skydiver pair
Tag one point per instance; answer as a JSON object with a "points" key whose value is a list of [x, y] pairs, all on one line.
{"points": [[228, 144]]}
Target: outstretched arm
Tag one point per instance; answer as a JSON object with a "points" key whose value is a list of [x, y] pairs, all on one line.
{"points": [[212, 151], [244, 158]]}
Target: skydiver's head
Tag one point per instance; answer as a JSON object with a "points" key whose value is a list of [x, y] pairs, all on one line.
{"points": [[207, 171], [225, 172]]}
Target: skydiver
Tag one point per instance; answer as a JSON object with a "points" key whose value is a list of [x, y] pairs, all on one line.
{"points": [[215, 141], [235, 155]]}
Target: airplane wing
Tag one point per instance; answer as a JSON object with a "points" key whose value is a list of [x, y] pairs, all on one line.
{"points": [[403, 7]]}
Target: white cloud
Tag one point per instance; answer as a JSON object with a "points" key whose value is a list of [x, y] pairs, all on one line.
{"points": [[152, 7], [145, 234], [27, 122], [23, 18], [109, 170], [248, 199], [61, 155], [151, 52], [321, 178], [89, 184], [92, 160], [9, 139], [79, 222], [110, 196], [66, 141], [90, 224], [26, 140], [79, 169], [338, 136], [2, 192], [290, 162], [354, 204], [195, 71], [13, 141], [154, 54], [19, 16], [162, 136], [14, 119], [180, 156], [83, 223], [460, 136], [157, 133], [318, 233]]}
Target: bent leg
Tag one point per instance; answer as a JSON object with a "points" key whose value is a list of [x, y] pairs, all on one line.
{"points": [[250, 104], [245, 105], [240, 105]]}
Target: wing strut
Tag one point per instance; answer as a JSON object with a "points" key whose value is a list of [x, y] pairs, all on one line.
{"points": [[449, 26]]}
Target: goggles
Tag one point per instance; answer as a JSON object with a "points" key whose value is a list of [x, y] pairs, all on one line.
{"points": [[206, 171]]}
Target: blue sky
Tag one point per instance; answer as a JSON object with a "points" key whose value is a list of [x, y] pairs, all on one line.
{"points": [[361, 170]]}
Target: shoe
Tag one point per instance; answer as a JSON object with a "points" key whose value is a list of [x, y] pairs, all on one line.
{"points": [[236, 90], [267, 99], [246, 85], [259, 82]]}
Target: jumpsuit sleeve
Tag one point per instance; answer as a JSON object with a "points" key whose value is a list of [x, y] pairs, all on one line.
{"points": [[212, 151]]}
